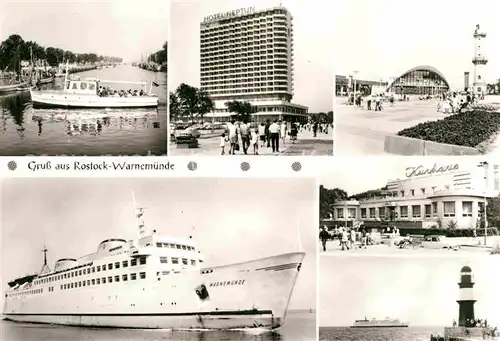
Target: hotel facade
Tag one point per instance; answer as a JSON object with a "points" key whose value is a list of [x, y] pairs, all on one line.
{"points": [[437, 197], [247, 55]]}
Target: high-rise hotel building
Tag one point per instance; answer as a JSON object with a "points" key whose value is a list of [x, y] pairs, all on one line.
{"points": [[247, 55]]}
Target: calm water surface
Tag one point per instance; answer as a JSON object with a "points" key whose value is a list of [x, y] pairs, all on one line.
{"points": [[378, 334], [26, 131], [299, 326]]}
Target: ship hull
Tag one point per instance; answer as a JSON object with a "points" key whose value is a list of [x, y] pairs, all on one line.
{"points": [[43, 99], [253, 294], [386, 326]]}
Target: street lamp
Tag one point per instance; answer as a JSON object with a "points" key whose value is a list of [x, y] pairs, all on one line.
{"points": [[354, 79], [484, 164]]}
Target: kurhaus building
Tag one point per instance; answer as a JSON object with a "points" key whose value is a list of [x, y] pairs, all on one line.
{"points": [[439, 196], [247, 55]]}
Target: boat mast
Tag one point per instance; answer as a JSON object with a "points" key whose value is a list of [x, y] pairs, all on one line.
{"points": [[139, 213], [45, 267]]}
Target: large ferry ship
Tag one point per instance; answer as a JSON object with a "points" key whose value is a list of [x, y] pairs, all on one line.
{"points": [[374, 323], [155, 281]]}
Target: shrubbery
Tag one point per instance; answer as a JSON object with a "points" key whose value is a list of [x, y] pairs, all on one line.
{"points": [[492, 231], [469, 128]]}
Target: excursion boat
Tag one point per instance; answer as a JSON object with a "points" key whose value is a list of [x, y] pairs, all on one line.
{"points": [[83, 93], [155, 281], [374, 323], [14, 87]]}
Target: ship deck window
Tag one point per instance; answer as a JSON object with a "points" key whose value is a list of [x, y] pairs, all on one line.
{"points": [[83, 86], [142, 275], [184, 247], [172, 246], [133, 277], [84, 271], [104, 267], [93, 282], [163, 259], [75, 86], [117, 278], [124, 277], [83, 283], [175, 260], [98, 281], [184, 261], [110, 279], [62, 286], [193, 262], [80, 284], [164, 273], [93, 269], [142, 260], [125, 263], [110, 266], [133, 262], [178, 246], [159, 244], [165, 244], [117, 265], [80, 273], [98, 268], [72, 284], [88, 282], [103, 280], [92, 86]]}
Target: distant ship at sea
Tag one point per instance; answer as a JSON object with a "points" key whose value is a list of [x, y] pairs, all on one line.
{"points": [[374, 323]]}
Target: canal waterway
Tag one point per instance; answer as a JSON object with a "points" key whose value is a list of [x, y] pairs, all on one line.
{"points": [[90, 132]]}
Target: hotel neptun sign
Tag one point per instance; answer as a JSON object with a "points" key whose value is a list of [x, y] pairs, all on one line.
{"points": [[229, 14]]}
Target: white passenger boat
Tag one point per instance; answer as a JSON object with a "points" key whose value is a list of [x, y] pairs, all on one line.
{"points": [[84, 93], [155, 281]]}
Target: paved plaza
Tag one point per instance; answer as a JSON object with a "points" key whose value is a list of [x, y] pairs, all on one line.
{"points": [[306, 145], [362, 132], [334, 248]]}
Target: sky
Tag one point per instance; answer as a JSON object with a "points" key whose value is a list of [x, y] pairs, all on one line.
{"points": [[118, 28], [234, 220], [313, 47], [385, 38], [406, 288], [366, 173]]}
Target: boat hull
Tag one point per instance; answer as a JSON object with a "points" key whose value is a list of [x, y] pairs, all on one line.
{"points": [[48, 99], [12, 88], [253, 294]]}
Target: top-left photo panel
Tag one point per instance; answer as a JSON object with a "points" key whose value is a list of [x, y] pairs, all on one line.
{"points": [[83, 78], [251, 77]]}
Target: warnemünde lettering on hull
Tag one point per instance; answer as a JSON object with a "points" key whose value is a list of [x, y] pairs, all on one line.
{"points": [[101, 166], [229, 14], [420, 170]]}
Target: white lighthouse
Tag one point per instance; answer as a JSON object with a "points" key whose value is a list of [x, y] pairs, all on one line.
{"points": [[466, 298], [479, 62]]}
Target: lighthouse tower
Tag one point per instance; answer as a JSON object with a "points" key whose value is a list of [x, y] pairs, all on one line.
{"points": [[479, 62], [466, 298]]}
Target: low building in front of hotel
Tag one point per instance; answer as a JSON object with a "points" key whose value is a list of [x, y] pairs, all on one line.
{"points": [[442, 196]]}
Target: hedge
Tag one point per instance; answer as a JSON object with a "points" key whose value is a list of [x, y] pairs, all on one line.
{"points": [[469, 128], [492, 231]]}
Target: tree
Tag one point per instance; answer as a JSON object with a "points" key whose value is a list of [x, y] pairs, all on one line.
{"points": [[11, 51], [243, 110], [188, 100], [492, 213], [205, 103], [174, 107], [327, 197]]}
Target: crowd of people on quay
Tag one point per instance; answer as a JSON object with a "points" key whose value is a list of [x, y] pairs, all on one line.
{"points": [[264, 135], [454, 102], [106, 91]]}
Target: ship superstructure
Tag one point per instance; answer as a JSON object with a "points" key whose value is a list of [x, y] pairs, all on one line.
{"points": [[155, 281], [375, 323]]}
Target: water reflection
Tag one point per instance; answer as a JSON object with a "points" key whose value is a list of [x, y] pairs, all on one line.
{"points": [[15, 105]]}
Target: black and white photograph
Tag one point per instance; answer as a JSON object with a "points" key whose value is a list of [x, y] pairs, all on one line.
{"points": [[150, 259], [412, 80], [83, 78], [416, 206], [251, 77], [408, 299]]}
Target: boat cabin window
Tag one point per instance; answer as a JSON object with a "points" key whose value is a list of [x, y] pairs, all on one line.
{"points": [[88, 282], [184, 247], [133, 262], [117, 265], [68, 85], [159, 244], [80, 273], [163, 259], [117, 278], [125, 263], [172, 246], [124, 277], [133, 277], [175, 260], [165, 273], [142, 260], [83, 283], [142, 275], [184, 261], [93, 269], [98, 281], [98, 268], [103, 280], [93, 282], [110, 279], [83, 86], [178, 246], [75, 86]]}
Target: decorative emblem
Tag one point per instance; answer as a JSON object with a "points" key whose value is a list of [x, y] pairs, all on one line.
{"points": [[202, 292]]}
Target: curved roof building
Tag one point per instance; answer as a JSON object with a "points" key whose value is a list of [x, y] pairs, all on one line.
{"points": [[420, 80]]}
